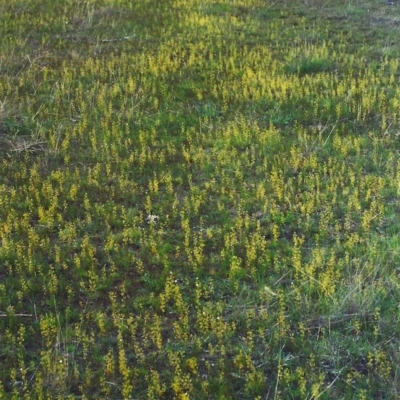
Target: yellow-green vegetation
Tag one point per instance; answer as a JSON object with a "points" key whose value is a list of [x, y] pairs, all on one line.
{"points": [[199, 199]]}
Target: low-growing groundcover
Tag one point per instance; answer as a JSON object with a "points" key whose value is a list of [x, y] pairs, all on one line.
{"points": [[199, 199]]}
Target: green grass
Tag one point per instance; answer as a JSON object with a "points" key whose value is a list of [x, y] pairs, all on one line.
{"points": [[199, 199]]}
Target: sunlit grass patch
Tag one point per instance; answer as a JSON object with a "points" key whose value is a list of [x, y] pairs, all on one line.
{"points": [[199, 199]]}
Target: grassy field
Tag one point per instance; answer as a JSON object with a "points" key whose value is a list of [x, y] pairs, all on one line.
{"points": [[199, 199]]}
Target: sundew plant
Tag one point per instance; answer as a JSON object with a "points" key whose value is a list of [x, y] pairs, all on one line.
{"points": [[199, 199]]}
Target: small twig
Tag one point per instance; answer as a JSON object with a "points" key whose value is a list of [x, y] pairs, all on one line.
{"points": [[27, 146], [34, 307], [334, 126], [77, 38], [34, 373], [117, 40], [112, 383], [2, 314], [330, 385], [283, 276]]}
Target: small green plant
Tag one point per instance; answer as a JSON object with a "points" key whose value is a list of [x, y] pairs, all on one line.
{"points": [[308, 66]]}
